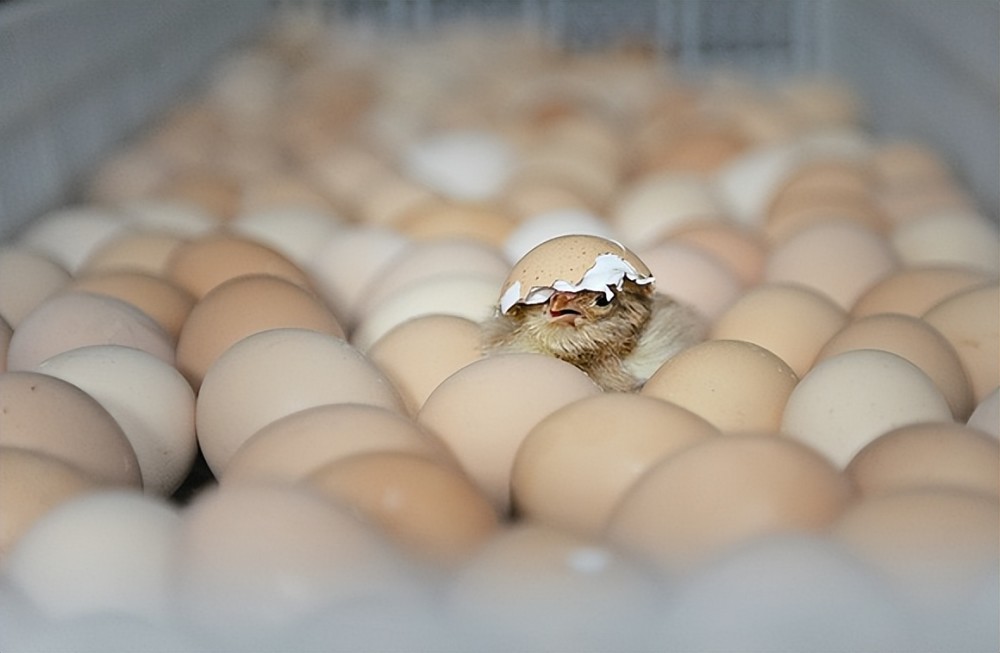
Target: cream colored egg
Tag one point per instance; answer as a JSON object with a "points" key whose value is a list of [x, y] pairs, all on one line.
{"points": [[839, 258], [69, 235], [297, 233], [692, 276], [462, 165], [789, 320], [916, 341], [106, 551], [915, 290], [848, 400], [747, 182], [652, 207], [179, 218], [432, 511], [986, 416], [27, 278], [970, 320], [274, 373], [723, 492], [79, 319], [148, 398], [420, 353], [41, 413], [485, 410], [469, 296], [388, 197], [740, 248], [574, 465], [243, 306], [134, 251], [735, 385], [438, 220], [955, 238], [31, 485], [929, 454], [553, 223], [294, 446]]}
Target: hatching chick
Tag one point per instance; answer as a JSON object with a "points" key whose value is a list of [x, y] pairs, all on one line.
{"points": [[619, 338]]}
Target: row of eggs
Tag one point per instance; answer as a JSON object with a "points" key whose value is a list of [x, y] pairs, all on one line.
{"points": [[329, 369]]}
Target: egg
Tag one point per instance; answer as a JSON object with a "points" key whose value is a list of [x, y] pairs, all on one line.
{"points": [[148, 398], [388, 197], [106, 551], [292, 447], [593, 180], [43, 414], [78, 319], [297, 233], [652, 207], [5, 335], [574, 465], [165, 302], [485, 410], [304, 369], [928, 454], [789, 320], [432, 511], [134, 251], [420, 353], [949, 238], [68, 235], [970, 320], [692, 276], [27, 278], [849, 399], [913, 290], [32, 484], [179, 218], [462, 165], [916, 341], [527, 197], [986, 415], [733, 384], [723, 492], [243, 306], [216, 193], [545, 225], [740, 248], [475, 221], [281, 190], [202, 264]]}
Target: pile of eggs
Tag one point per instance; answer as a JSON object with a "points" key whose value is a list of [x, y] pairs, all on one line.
{"points": [[243, 405]]}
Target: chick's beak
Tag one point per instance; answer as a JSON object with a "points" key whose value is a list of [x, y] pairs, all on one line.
{"points": [[563, 309]]}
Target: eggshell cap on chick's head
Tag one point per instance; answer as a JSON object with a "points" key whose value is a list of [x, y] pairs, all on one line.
{"points": [[572, 264]]}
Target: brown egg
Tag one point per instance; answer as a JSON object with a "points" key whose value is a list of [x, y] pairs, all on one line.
{"points": [[839, 258], [930, 454], [283, 190], [970, 320], [934, 544], [527, 197], [243, 306], [439, 220], [799, 214], [420, 353], [733, 384], [346, 172], [27, 278], [592, 179], [387, 198], [916, 341], [134, 251], [741, 249], [651, 208], [574, 465], [722, 492], [692, 276], [50, 416], [77, 319], [431, 510], [914, 290], [294, 446], [217, 193], [791, 321], [33, 483], [162, 300], [200, 265], [274, 373], [485, 410]]}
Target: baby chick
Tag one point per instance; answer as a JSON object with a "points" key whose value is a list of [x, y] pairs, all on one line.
{"points": [[607, 320]]}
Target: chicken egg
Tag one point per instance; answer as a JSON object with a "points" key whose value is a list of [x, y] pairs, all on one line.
{"points": [[294, 446], [27, 278], [69, 235], [949, 238], [462, 165], [593, 180], [5, 335], [928, 454], [296, 233], [277, 372], [242, 306], [740, 248], [723, 492], [654, 206], [849, 399], [437, 220], [178, 218], [485, 410], [527, 197], [733, 384], [388, 197], [915, 290], [574, 465], [986, 416], [546, 225], [216, 194], [134, 251], [692, 276]]}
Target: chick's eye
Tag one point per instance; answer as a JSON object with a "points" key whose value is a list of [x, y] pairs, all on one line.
{"points": [[602, 300]]}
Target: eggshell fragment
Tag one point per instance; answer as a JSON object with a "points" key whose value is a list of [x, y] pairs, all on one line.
{"points": [[734, 385], [32, 484], [41, 413], [723, 492], [432, 511], [420, 353], [304, 368], [243, 306], [970, 320], [916, 341], [848, 400], [929, 454], [485, 410], [574, 465], [986, 416], [27, 278], [78, 319], [149, 399], [915, 290], [106, 551]]}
